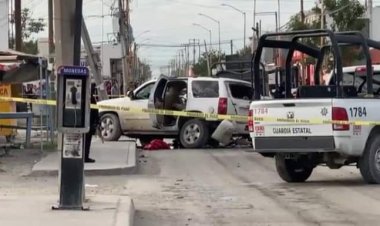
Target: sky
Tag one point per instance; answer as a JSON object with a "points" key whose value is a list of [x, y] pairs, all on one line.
{"points": [[170, 22]]}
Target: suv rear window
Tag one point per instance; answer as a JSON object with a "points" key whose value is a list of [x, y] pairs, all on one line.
{"points": [[239, 91], [205, 89]]}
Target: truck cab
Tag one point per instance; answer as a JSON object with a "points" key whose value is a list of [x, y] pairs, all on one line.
{"points": [[321, 124]]}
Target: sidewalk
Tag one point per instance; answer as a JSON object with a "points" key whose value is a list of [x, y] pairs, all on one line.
{"points": [[36, 211], [112, 158]]}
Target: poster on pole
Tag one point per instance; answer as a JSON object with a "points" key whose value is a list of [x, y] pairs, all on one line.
{"points": [[73, 93], [72, 146]]}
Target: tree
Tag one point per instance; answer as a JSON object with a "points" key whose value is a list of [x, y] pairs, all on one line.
{"points": [[345, 15], [246, 51], [30, 26], [200, 68]]}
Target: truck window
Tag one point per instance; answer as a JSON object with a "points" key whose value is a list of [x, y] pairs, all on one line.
{"points": [[205, 89], [348, 79], [144, 93], [240, 91]]}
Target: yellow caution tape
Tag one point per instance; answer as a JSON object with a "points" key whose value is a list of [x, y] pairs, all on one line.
{"points": [[314, 121], [209, 116]]}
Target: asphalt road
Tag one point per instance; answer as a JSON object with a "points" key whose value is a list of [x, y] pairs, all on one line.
{"points": [[234, 187]]}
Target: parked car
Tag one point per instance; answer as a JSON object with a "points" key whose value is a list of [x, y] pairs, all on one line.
{"points": [[200, 94], [212, 95]]}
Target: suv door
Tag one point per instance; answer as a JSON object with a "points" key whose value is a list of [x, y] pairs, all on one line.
{"points": [[156, 99], [240, 95], [137, 121]]}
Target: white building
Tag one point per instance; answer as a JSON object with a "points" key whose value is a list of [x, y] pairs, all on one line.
{"points": [[4, 24], [375, 30]]}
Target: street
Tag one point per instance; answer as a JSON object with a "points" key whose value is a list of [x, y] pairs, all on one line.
{"points": [[234, 187], [211, 187]]}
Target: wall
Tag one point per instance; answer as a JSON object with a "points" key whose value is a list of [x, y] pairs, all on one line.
{"points": [[108, 52], [43, 47], [4, 25], [375, 34]]}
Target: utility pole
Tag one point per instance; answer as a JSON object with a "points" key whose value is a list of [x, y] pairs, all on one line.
{"points": [[51, 31], [194, 51], [199, 51], [124, 45], [94, 62], [188, 61], [18, 38], [322, 18], [302, 12], [369, 11], [279, 13], [232, 47]]}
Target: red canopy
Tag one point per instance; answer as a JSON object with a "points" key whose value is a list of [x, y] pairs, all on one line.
{"points": [[8, 66], [375, 55]]}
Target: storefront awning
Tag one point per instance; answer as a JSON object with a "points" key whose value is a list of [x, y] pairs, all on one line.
{"points": [[18, 67]]}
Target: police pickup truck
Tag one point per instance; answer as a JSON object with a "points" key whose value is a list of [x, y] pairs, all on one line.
{"points": [[322, 124]]}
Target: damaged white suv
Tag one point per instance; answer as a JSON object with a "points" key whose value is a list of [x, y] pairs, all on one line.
{"points": [[199, 94]]}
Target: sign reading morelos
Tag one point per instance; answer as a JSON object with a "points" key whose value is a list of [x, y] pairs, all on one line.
{"points": [[72, 70]]}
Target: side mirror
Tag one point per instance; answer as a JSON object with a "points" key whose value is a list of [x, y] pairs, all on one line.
{"points": [[130, 94]]}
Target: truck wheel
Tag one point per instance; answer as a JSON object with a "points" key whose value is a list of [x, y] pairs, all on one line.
{"points": [[292, 171], [194, 134], [110, 127], [369, 162]]}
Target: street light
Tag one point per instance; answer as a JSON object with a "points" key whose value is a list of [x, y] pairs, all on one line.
{"points": [[278, 53], [217, 21], [244, 15], [268, 14], [204, 28]]}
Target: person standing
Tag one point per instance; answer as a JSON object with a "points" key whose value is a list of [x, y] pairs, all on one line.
{"points": [[94, 123]]}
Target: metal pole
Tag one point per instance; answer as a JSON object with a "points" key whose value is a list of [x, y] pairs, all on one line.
{"points": [[199, 50], [370, 11], [78, 32], [124, 47], [322, 18], [71, 170], [279, 13], [245, 24], [18, 38], [254, 11], [93, 60], [208, 57], [220, 49], [194, 51], [232, 47], [210, 41], [51, 32]]}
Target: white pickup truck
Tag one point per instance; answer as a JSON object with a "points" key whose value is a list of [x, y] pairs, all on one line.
{"points": [[298, 148]]}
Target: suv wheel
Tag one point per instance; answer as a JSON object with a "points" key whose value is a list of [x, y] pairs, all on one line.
{"points": [[194, 134], [293, 170], [110, 127]]}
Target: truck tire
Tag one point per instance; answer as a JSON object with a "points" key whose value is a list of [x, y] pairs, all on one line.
{"points": [[194, 134], [292, 171], [110, 127], [369, 163]]}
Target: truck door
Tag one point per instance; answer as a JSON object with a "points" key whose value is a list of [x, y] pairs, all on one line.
{"points": [[156, 101]]}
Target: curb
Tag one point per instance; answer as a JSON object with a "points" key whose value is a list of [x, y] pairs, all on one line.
{"points": [[121, 169], [125, 213]]}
